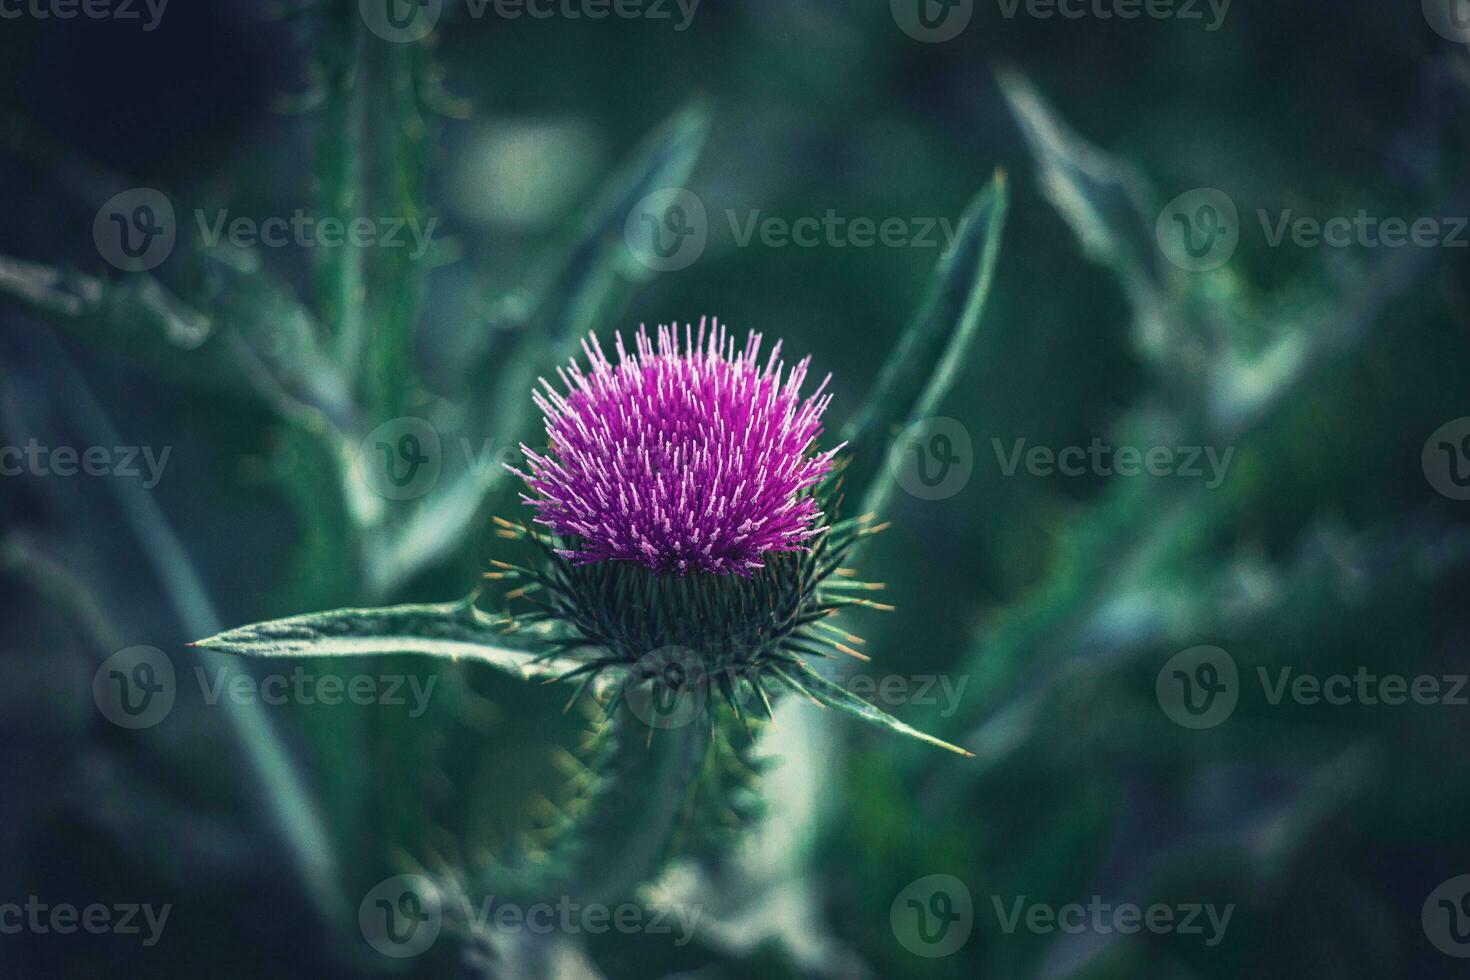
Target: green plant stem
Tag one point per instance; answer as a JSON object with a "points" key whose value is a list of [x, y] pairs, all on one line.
{"points": [[340, 280], [623, 834]]}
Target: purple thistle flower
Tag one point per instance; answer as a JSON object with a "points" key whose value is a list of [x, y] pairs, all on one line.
{"points": [[679, 460]]}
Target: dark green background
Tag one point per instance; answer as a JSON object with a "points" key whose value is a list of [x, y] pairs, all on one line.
{"points": [[1058, 599]]}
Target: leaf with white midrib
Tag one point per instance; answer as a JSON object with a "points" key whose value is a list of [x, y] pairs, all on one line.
{"points": [[456, 630]]}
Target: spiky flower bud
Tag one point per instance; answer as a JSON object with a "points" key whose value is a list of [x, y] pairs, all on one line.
{"points": [[683, 494], [680, 460]]}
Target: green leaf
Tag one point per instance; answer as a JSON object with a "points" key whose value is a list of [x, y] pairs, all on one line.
{"points": [[1107, 203], [135, 314], [456, 630], [1111, 207], [256, 338], [815, 686], [923, 368]]}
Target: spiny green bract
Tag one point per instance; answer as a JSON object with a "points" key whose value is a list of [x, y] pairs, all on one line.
{"points": [[745, 636]]}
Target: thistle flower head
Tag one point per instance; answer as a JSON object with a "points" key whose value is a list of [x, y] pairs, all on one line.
{"points": [[696, 460], [680, 457]]}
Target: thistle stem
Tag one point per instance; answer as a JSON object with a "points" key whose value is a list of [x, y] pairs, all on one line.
{"points": [[623, 835]]}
